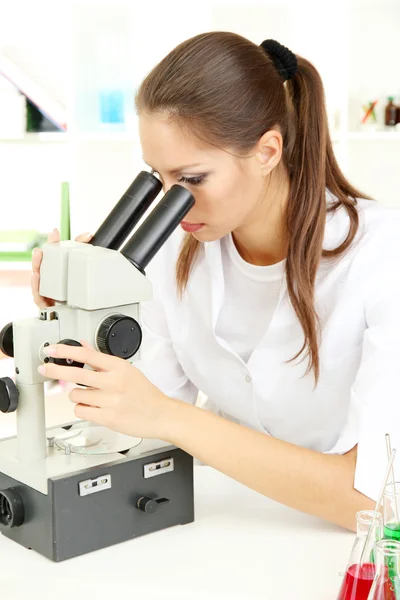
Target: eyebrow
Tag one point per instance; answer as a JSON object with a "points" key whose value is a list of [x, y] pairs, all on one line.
{"points": [[179, 169]]}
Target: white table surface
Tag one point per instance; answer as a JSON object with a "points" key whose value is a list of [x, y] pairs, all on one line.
{"points": [[241, 546]]}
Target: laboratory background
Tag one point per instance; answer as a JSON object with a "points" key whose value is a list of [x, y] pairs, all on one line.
{"points": [[69, 148]]}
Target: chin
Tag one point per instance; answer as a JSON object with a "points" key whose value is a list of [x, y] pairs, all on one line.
{"points": [[208, 235]]}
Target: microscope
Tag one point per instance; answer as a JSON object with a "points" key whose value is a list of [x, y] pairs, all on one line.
{"points": [[78, 487]]}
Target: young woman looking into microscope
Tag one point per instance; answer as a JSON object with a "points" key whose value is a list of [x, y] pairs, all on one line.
{"points": [[277, 297]]}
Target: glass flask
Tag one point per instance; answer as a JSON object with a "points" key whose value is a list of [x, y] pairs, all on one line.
{"points": [[385, 587], [359, 575], [391, 516], [391, 511]]}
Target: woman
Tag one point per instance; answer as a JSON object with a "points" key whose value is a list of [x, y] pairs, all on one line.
{"points": [[279, 302]]}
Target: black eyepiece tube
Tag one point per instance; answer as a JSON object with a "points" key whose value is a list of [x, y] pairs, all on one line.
{"points": [[127, 212], [156, 229]]}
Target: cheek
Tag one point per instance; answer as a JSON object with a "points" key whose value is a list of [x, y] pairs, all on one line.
{"points": [[224, 198], [222, 207]]}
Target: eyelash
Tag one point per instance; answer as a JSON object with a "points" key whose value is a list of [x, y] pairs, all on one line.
{"points": [[190, 180]]}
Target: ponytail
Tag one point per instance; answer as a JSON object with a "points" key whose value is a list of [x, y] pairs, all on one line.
{"points": [[313, 170]]}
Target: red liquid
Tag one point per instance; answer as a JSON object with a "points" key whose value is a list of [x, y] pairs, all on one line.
{"points": [[357, 582], [385, 591]]}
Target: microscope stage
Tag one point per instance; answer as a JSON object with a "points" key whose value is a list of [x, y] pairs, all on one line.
{"points": [[90, 446]]}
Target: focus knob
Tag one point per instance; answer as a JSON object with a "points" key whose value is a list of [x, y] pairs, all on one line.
{"points": [[120, 336], [8, 395], [67, 362], [147, 505], [7, 340]]}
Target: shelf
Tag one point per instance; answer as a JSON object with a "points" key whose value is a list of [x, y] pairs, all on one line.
{"points": [[132, 137], [383, 134], [40, 137], [122, 136], [50, 137], [97, 136], [374, 135], [15, 257]]}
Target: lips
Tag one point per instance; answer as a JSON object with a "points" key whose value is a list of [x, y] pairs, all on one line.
{"points": [[191, 227]]}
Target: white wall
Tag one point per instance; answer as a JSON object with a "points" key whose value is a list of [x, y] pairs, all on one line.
{"points": [[374, 165], [354, 44], [374, 51], [301, 26]]}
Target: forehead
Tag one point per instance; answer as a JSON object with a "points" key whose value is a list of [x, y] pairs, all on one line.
{"points": [[165, 145]]}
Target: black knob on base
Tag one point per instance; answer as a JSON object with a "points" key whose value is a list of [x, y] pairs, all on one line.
{"points": [[7, 340], [8, 395], [12, 511], [119, 335], [147, 505]]}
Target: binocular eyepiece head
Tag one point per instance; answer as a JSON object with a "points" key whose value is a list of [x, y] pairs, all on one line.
{"points": [[155, 229]]}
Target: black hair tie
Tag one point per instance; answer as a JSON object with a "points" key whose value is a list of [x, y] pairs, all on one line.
{"points": [[283, 58]]}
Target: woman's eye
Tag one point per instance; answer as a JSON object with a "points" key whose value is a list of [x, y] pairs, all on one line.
{"points": [[192, 180]]}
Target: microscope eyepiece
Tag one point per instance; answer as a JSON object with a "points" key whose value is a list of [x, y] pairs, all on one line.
{"points": [[127, 212], [158, 226]]}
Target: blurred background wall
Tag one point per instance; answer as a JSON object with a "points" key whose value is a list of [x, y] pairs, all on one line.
{"points": [[69, 144]]}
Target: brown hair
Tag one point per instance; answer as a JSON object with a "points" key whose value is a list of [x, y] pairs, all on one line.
{"points": [[226, 90]]}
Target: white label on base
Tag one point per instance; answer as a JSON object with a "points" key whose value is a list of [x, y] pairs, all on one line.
{"points": [[158, 468], [91, 486]]}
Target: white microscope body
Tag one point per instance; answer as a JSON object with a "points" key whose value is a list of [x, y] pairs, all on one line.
{"points": [[79, 487]]}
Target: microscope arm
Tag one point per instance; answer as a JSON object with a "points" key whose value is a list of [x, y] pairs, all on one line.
{"points": [[97, 292]]}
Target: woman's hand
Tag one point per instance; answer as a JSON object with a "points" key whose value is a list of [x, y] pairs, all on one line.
{"points": [[37, 256], [118, 395]]}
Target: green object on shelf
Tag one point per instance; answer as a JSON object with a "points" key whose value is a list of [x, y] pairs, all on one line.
{"points": [[15, 257], [19, 239], [18, 245], [65, 227]]}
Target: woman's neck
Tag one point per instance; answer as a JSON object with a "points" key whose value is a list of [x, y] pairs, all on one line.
{"points": [[263, 240]]}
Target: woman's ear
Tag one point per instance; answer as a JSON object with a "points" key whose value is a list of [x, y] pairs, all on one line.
{"points": [[269, 150]]}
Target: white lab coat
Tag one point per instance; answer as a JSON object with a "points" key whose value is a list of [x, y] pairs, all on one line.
{"points": [[358, 300]]}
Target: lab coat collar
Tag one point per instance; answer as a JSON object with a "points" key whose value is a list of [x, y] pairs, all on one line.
{"points": [[336, 228], [214, 262]]}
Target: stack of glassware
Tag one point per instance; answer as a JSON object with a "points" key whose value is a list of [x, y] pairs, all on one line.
{"points": [[372, 571]]}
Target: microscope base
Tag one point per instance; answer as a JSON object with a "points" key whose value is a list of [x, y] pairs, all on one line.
{"points": [[73, 519]]}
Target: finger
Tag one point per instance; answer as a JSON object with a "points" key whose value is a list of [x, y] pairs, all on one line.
{"points": [[54, 236], [35, 285], [91, 397], [76, 375], [37, 256], [40, 301], [88, 356], [84, 237], [86, 344], [90, 413]]}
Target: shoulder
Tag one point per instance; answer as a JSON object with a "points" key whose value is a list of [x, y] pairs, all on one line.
{"points": [[378, 227], [376, 217]]}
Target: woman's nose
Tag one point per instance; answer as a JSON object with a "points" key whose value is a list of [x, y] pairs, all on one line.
{"points": [[167, 185]]}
